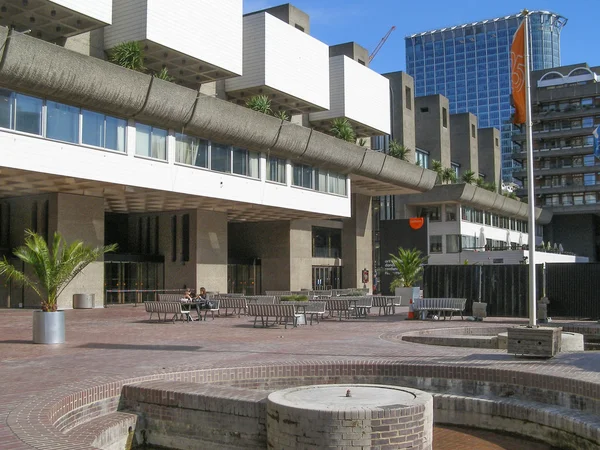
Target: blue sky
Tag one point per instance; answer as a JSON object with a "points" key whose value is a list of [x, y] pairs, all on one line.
{"points": [[367, 21]]}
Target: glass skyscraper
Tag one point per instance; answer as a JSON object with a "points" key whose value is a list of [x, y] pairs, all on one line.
{"points": [[470, 64]]}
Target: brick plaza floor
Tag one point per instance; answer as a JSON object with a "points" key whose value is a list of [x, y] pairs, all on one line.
{"points": [[118, 342]]}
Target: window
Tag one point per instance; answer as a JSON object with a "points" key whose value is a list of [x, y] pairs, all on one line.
{"points": [[589, 179], [103, 131], [450, 213], [360, 61], [444, 117], [337, 184], [276, 170], [590, 198], [452, 243], [422, 159], [173, 238], [245, 162], [62, 122], [468, 242], [303, 176], [433, 212], [6, 108], [326, 242], [150, 141], [473, 132], [435, 244], [220, 157], [299, 27], [185, 237], [191, 150], [425, 109], [578, 199], [408, 97], [28, 114]]}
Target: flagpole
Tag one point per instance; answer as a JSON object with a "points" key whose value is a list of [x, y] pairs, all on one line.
{"points": [[530, 181]]}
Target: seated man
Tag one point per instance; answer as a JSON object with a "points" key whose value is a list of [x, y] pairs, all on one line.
{"points": [[201, 301]]}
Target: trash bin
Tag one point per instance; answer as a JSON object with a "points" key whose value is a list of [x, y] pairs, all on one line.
{"points": [[83, 301]]}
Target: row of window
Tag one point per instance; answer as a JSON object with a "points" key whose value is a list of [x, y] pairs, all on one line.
{"points": [[567, 124], [75, 125], [558, 143], [571, 105], [587, 179], [579, 198], [565, 162], [455, 243], [486, 218]]}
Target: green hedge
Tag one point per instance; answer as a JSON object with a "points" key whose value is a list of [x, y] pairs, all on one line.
{"points": [[294, 298]]}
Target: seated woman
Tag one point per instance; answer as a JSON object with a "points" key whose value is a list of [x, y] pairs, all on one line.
{"points": [[187, 296], [200, 302]]}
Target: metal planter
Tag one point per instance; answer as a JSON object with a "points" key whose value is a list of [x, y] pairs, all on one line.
{"points": [[48, 327]]}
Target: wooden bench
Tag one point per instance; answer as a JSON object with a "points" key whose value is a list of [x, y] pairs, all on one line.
{"points": [[278, 312], [339, 306], [441, 305], [387, 304], [236, 304], [166, 308]]}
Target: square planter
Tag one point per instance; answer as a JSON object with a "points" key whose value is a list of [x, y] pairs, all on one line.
{"points": [[407, 293], [543, 342]]}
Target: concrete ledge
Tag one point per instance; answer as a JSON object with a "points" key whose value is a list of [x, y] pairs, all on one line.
{"points": [[108, 432], [460, 341]]}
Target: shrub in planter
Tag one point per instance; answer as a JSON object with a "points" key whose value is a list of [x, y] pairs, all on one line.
{"points": [[294, 298]]}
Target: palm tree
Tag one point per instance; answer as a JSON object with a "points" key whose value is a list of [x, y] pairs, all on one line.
{"points": [[469, 177], [260, 103], [54, 268], [342, 129], [436, 166], [397, 150], [449, 175], [281, 115], [164, 75], [128, 55], [409, 263], [490, 186], [362, 142], [480, 182]]}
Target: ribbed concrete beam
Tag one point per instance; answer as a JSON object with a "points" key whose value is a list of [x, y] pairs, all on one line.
{"points": [[39, 68]]}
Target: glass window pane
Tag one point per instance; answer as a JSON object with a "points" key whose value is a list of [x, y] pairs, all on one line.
{"points": [[452, 243], [93, 128], [62, 122], [240, 161], [159, 143], [307, 177], [276, 170], [321, 180], [297, 175], [6, 108], [220, 157], [253, 164], [28, 114], [142, 139], [115, 133]]}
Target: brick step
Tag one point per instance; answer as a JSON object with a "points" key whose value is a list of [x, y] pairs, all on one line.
{"points": [[109, 430], [573, 429]]}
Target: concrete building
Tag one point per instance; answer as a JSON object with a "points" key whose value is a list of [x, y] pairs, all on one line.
{"points": [[470, 65], [566, 111], [196, 189]]}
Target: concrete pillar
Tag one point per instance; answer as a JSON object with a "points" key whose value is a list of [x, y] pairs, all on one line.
{"points": [[78, 217], [352, 50], [357, 243], [432, 125], [463, 136], [402, 99], [490, 157], [301, 255], [211, 250]]}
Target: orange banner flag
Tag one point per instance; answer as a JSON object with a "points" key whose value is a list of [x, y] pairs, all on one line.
{"points": [[517, 59]]}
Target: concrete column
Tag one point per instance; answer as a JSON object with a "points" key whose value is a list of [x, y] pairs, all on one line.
{"points": [[300, 254], [78, 217], [357, 243], [432, 125], [402, 99], [463, 136], [211, 250], [490, 157]]}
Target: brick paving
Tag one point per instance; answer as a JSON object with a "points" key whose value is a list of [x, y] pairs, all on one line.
{"points": [[116, 343]]}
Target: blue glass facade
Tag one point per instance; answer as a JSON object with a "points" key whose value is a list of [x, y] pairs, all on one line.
{"points": [[470, 64]]}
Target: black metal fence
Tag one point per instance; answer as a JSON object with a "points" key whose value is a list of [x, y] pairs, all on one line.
{"points": [[573, 290]]}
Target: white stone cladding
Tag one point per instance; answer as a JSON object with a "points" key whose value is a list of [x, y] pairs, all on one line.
{"points": [[98, 9], [357, 93], [283, 58], [201, 29]]}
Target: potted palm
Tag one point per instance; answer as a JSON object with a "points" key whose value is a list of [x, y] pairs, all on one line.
{"points": [[409, 265], [53, 269]]}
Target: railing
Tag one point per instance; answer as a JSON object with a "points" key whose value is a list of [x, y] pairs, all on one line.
{"points": [[135, 296]]}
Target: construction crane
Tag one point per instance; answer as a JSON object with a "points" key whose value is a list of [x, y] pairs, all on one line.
{"points": [[385, 38]]}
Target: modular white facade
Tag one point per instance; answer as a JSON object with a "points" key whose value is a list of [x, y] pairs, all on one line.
{"points": [[283, 62], [503, 257], [98, 9], [358, 94], [197, 41]]}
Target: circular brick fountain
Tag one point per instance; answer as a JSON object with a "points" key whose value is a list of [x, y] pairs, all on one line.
{"points": [[350, 416]]}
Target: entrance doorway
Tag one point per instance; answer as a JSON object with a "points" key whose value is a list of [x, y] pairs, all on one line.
{"points": [[132, 281], [326, 277], [244, 277]]}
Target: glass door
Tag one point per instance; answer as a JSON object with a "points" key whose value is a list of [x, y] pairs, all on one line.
{"points": [[326, 277]]}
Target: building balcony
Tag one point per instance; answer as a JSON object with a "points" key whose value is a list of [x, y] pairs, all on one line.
{"points": [[522, 172], [540, 135], [53, 20], [555, 152], [197, 44], [567, 189], [284, 63], [574, 209], [358, 94], [569, 113]]}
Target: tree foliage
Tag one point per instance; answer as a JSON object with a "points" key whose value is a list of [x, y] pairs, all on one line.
{"points": [[53, 268], [259, 103], [397, 150], [342, 129], [128, 55]]}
